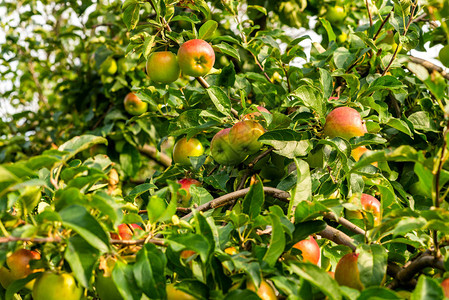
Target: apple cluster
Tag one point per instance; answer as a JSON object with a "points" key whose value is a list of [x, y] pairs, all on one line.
{"points": [[195, 58]]}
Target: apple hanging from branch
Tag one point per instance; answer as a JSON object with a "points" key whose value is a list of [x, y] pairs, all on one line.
{"points": [[163, 67], [196, 57], [184, 149]]}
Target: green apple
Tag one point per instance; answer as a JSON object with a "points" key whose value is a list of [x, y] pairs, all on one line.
{"points": [[335, 14], [243, 137], [347, 272], [163, 67], [133, 104], [108, 67], [222, 151], [443, 55], [184, 149], [52, 286], [344, 122], [196, 57], [174, 294]]}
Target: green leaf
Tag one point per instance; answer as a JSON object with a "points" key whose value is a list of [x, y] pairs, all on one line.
{"points": [[287, 142], [427, 288], [130, 160], [326, 83], [373, 293], [131, 15], [82, 259], [139, 190], [252, 204], [79, 220], [277, 241], [149, 271], [80, 143], [123, 276], [220, 99], [317, 277], [372, 264], [408, 225], [303, 189], [148, 45], [228, 50], [191, 241], [311, 98], [207, 30], [330, 32]]}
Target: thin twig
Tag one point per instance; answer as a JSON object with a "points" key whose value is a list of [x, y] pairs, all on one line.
{"points": [[369, 13], [206, 85], [344, 222], [261, 67], [383, 24], [159, 157]]}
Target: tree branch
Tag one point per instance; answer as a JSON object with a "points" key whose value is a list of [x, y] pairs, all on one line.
{"points": [[228, 198], [337, 237], [159, 157], [344, 222], [429, 66], [206, 85]]}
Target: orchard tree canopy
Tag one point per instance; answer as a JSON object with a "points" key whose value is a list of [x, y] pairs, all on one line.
{"points": [[193, 149]]}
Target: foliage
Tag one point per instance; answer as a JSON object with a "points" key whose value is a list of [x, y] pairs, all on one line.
{"points": [[71, 63]]}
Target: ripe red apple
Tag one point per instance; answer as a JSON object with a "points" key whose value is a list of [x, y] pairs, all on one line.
{"points": [[185, 185], [196, 57], [184, 148], [174, 294], [445, 286], [133, 104], [369, 203], [126, 232], [163, 67], [52, 286], [344, 122], [347, 272], [222, 151], [310, 250], [265, 291], [19, 263], [243, 137], [254, 115]]}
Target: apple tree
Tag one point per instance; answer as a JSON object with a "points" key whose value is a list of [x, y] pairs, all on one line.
{"points": [[192, 149]]}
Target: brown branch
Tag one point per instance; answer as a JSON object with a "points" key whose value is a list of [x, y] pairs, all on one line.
{"points": [[369, 13], [251, 166], [103, 24], [344, 222], [429, 66], [228, 198], [404, 276], [383, 24], [337, 237], [159, 157]]}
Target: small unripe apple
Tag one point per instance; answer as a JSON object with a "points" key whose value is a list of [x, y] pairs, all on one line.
{"points": [[265, 291], [126, 232], [335, 14], [196, 57], [222, 151], [163, 67], [133, 104], [243, 137], [254, 115], [108, 67], [310, 250], [175, 294], [184, 148], [52, 286], [369, 203], [185, 185], [344, 122], [347, 272]]}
